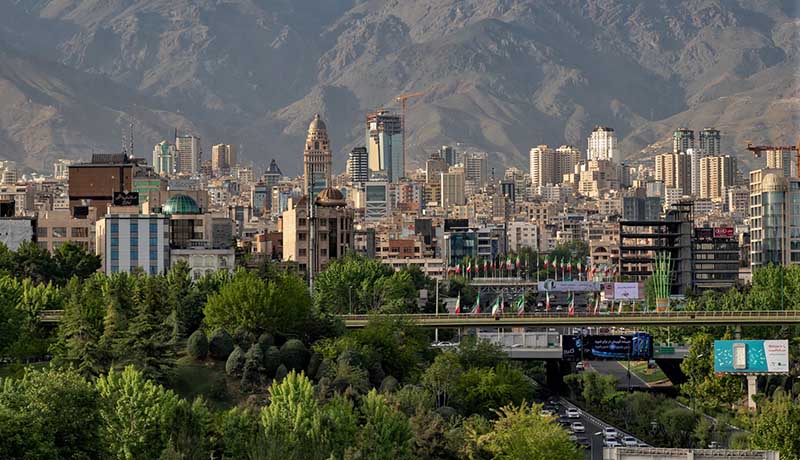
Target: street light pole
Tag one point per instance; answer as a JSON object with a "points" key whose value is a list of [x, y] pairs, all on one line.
{"points": [[350, 297], [629, 346]]}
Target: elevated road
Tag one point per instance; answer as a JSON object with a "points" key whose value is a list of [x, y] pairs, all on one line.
{"points": [[694, 318]]}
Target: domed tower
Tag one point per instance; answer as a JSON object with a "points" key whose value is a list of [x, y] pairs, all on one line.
{"points": [[317, 158]]}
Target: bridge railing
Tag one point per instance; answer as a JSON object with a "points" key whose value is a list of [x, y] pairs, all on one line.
{"points": [[669, 314]]}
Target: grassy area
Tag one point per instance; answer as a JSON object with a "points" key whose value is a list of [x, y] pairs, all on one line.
{"points": [[203, 378], [654, 375]]}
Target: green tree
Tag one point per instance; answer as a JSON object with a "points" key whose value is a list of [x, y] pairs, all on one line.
{"points": [[137, 414], [777, 426], [71, 260], [481, 390], [519, 433], [63, 408], [702, 386], [276, 306], [293, 421], [442, 376], [240, 435], [340, 422], [185, 299], [82, 326], [397, 344], [34, 262], [474, 352], [386, 434]]}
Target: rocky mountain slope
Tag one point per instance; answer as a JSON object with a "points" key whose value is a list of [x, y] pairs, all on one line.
{"points": [[499, 75]]}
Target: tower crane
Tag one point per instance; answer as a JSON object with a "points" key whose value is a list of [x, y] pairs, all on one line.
{"points": [[402, 100], [758, 150]]}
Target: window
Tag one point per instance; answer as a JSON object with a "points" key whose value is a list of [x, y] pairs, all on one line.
{"points": [[114, 242], [153, 227], [154, 270], [114, 254], [153, 254], [80, 232], [41, 232], [42, 245], [301, 237], [134, 227], [59, 232], [301, 252], [115, 227]]}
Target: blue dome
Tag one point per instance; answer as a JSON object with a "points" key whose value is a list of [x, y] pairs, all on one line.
{"points": [[181, 204]]}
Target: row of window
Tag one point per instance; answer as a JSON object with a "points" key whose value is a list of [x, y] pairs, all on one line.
{"points": [[62, 232], [134, 227]]}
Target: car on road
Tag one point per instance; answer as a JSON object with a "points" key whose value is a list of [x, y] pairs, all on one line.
{"points": [[610, 433], [546, 413], [573, 413], [630, 441], [583, 441], [577, 427], [443, 344], [517, 345], [579, 366], [573, 438], [563, 421], [611, 443]]}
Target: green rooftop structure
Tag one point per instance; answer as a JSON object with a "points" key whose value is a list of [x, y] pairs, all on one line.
{"points": [[181, 204]]}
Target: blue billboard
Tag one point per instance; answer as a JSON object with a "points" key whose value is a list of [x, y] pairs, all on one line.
{"points": [[751, 356]]}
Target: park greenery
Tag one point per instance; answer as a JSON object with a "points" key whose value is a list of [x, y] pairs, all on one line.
{"points": [[250, 365]]}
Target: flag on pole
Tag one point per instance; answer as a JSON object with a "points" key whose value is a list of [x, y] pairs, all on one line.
{"points": [[620, 307], [458, 269], [508, 263], [484, 266], [521, 305], [597, 306], [546, 262], [547, 301], [458, 305], [569, 267], [477, 308], [518, 264], [496, 307], [571, 304], [469, 268]]}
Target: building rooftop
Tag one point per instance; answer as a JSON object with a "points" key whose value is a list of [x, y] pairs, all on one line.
{"points": [[181, 204]]}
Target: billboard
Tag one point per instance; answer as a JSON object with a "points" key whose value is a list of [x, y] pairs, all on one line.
{"points": [[723, 232], [751, 356], [126, 198], [568, 286], [624, 291], [636, 347]]}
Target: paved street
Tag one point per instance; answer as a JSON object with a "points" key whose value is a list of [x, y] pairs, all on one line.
{"points": [[619, 371]]}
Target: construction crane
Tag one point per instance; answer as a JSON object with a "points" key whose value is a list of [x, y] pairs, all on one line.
{"points": [[758, 150], [402, 100]]}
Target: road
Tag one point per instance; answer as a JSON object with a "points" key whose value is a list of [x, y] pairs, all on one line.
{"points": [[619, 371]]}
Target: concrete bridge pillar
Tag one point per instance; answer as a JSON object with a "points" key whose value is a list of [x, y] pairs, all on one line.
{"points": [[556, 369], [672, 369]]}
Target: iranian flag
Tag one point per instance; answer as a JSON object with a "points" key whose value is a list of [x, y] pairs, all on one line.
{"points": [[546, 262], [508, 263], [580, 267], [458, 269], [571, 304], [620, 307], [469, 267], [597, 306], [484, 266], [458, 305], [569, 267], [476, 310], [562, 263], [497, 307], [547, 301], [520, 304], [518, 263]]}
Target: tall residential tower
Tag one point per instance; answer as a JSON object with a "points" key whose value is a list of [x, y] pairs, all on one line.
{"points": [[317, 158]]}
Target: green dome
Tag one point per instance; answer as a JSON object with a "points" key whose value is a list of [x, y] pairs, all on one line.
{"points": [[181, 204]]}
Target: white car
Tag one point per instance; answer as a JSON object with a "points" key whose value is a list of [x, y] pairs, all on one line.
{"points": [[630, 441], [546, 413], [579, 366], [577, 427], [573, 413], [610, 433], [611, 443]]}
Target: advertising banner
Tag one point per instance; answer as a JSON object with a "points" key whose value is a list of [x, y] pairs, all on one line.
{"points": [[723, 232], [628, 291], [751, 356], [636, 347], [568, 286]]}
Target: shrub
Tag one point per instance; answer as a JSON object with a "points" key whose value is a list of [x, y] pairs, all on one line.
{"points": [[252, 375], [197, 346], [271, 360], [220, 345], [388, 385], [313, 365], [266, 340], [281, 373], [235, 364], [294, 355], [243, 337]]}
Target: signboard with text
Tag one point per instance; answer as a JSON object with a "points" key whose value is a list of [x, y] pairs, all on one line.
{"points": [[723, 232], [627, 291], [751, 356], [568, 286], [636, 347]]}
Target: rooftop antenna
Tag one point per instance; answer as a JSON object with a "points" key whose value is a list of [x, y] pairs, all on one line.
{"points": [[131, 138]]}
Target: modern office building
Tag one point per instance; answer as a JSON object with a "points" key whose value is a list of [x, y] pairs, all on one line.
{"points": [[272, 175], [377, 201], [602, 145], [126, 242], [785, 160], [434, 167], [453, 188], [717, 173], [223, 158], [56, 227], [710, 141], [448, 154], [189, 155], [384, 139], [95, 184], [642, 208], [774, 218], [358, 166], [674, 170], [682, 140], [260, 199], [715, 259], [317, 159], [476, 169], [164, 158]]}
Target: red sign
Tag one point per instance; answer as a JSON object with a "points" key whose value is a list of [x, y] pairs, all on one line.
{"points": [[723, 232]]}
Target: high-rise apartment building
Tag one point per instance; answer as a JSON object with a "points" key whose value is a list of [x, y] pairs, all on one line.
{"points": [[476, 169], [567, 157], [674, 170], [785, 160], [358, 166], [128, 241], [273, 174], [223, 158], [602, 145], [453, 188], [774, 218], [695, 155], [384, 140], [164, 156], [682, 140], [61, 169], [434, 167], [317, 159], [716, 175], [548, 166], [448, 154], [709, 141], [189, 154]]}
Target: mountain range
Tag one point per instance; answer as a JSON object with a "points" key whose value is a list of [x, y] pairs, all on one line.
{"points": [[496, 75]]}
